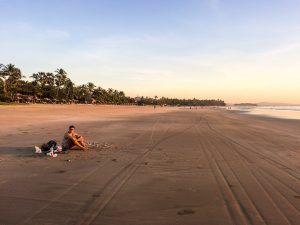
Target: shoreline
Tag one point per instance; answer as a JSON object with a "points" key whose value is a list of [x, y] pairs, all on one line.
{"points": [[263, 116], [288, 114]]}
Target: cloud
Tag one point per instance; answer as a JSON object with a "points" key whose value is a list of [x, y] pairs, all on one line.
{"points": [[145, 39]]}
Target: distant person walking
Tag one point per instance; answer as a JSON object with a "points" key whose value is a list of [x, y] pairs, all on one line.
{"points": [[72, 139]]}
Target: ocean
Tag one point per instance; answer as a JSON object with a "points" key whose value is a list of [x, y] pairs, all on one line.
{"points": [[283, 112]]}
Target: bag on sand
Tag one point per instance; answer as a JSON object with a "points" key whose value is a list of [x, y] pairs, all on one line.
{"points": [[50, 144]]}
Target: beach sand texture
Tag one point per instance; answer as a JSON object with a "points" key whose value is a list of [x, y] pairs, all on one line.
{"points": [[167, 166]]}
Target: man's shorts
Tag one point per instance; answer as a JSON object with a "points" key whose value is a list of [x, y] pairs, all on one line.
{"points": [[68, 144]]}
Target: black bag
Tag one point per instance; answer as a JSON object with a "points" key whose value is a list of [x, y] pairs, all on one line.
{"points": [[48, 145]]}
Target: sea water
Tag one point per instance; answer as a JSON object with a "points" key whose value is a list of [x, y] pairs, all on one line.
{"points": [[284, 112]]}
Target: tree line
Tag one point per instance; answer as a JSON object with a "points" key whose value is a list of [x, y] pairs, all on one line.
{"points": [[57, 87]]}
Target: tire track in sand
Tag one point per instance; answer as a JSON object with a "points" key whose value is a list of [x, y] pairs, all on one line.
{"points": [[284, 206], [257, 156], [289, 213], [110, 190], [280, 165], [233, 207]]}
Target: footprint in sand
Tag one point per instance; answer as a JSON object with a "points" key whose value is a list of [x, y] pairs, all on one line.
{"points": [[186, 212]]}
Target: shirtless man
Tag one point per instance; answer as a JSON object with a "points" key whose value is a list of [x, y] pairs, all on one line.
{"points": [[71, 139]]}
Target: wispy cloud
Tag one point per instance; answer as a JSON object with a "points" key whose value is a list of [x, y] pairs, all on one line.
{"points": [[27, 30], [133, 39]]}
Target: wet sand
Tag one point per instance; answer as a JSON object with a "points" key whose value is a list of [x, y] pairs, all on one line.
{"points": [[166, 167]]}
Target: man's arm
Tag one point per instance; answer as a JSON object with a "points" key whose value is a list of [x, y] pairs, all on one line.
{"points": [[77, 136], [70, 136]]}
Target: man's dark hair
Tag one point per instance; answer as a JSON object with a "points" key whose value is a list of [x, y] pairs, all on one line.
{"points": [[72, 126]]}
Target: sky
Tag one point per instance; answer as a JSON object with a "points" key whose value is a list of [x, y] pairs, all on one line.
{"points": [[235, 50]]}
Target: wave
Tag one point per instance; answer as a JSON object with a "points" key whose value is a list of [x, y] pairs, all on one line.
{"points": [[285, 112]]}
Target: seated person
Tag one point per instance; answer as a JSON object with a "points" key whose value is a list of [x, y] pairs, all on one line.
{"points": [[72, 139]]}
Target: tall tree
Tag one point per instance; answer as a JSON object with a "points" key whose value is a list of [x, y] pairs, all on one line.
{"points": [[69, 89], [44, 83], [60, 78], [83, 94], [10, 76], [91, 86]]}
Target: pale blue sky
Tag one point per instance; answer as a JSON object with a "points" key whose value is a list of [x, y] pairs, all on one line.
{"points": [[234, 50]]}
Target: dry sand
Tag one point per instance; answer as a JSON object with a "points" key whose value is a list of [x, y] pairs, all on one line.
{"points": [[166, 166]]}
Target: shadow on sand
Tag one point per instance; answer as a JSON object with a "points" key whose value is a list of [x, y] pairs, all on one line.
{"points": [[17, 151]]}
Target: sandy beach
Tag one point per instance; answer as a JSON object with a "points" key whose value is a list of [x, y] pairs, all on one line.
{"points": [[163, 166]]}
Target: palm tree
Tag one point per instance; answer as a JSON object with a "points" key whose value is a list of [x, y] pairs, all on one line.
{"points": [[122, 97], [116, 97], [10, 76], [99, 94], [2, 78], [104, 95], [38, 77], [110, 95], [91, 86], [155, 101], [60, 78], [84, 93], [69, 89], [44, 83]]}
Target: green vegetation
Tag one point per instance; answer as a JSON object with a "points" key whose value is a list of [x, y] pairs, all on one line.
{"points": [[179, 102], [57, 87]]}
